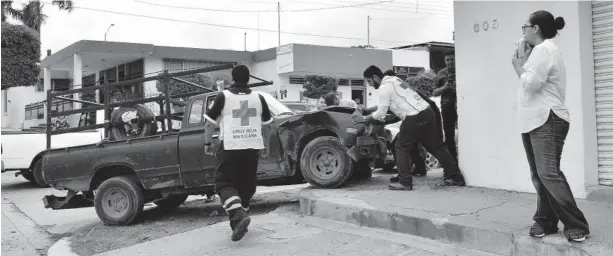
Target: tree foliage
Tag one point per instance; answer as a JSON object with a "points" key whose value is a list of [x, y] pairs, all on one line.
{"points": [[207, 80], [318, 86], [31, 13], [20, 56], [425, 82]]}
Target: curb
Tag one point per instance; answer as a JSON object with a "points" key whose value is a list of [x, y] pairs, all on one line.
{"points": [[61, 248], [503, 241]]}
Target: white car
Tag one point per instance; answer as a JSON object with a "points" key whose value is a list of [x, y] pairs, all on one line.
{"points": [[24, 150]]}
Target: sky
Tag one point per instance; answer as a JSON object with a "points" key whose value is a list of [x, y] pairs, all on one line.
{"points": [[183, 22]]}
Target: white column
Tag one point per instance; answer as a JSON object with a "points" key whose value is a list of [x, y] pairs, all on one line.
{"points": [[46, 86], [77, 78]]}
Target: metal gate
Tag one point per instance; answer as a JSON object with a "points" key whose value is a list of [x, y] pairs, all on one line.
{"points": [[602, 22]]}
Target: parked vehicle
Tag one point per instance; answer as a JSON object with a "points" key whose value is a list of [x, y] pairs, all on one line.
{"points": [[24, 150], [118, 177]]}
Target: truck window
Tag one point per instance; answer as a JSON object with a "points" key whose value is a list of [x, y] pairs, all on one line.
{"points": [[196, 112]]}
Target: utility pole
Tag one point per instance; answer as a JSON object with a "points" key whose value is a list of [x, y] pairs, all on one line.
{"points": [[368, 30], [279, 20], [245, 41]]}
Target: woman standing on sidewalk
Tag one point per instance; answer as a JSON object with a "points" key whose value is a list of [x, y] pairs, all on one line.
{"points": [[544, 120]]}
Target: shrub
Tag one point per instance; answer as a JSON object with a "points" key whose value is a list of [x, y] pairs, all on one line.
{"points": [[425, 82], [316, 87], [20, 56]]}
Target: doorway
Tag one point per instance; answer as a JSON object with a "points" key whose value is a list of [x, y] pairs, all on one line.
{"points": [[357, 95]]}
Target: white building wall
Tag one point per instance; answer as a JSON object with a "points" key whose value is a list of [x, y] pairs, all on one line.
{"points": [[491, 152], [267, 70], [411, 58], [151, 65]]}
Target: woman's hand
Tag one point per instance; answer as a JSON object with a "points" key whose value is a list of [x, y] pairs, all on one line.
{"points": [[518, 63]]}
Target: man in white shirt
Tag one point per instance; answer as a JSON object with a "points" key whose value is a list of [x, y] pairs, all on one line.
{"points": [[332, 99], [418, 126]]}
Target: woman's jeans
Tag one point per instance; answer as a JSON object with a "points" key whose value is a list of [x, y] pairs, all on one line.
{"points": [[555, 203]]}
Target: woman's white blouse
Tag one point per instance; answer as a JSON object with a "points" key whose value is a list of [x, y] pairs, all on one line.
{"points": [[543, 87]]}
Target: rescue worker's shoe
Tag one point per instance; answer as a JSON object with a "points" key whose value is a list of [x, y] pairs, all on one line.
{"points": [[398, 186], [576, 235], [241, 228], [395, 178], [456, 180]]}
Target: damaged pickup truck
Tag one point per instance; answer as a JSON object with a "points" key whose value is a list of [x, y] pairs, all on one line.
{"points": [[118, 177]]}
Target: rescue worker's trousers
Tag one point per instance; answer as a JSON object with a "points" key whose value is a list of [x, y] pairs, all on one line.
{"points": [[235, 180]]}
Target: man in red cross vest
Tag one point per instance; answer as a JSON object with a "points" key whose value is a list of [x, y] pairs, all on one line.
{"points": [[243, 117]]}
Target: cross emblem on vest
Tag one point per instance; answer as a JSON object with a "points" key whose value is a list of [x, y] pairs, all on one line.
{"points": [[244, 112]]}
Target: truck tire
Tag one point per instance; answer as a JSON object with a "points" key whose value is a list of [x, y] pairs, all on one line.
{"points": [[324, 162], [37, 173], [28, 175], [119, 133], [119, 201], [171, 201]]}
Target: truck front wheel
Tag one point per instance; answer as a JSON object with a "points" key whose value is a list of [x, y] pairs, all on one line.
{"points": [[119, 201], [324, 163]]}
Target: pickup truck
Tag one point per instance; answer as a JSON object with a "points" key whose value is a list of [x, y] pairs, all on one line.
{"points": [[323, 147], [24, 150]]}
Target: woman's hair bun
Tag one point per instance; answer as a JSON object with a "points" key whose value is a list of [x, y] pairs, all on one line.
{"points": [[559, 22]]}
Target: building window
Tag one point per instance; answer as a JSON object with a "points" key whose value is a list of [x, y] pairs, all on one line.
{"points": [[296, 80], [342, 82], [60, 84], [357, 82]]}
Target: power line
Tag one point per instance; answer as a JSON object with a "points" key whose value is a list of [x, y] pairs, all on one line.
{"points": [[398, 8], [235, 27], [269, 10]]}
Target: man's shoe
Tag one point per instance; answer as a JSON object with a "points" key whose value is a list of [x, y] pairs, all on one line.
{"points": [[457, 180], [575, 235], [241, 229], [537, 231], [395, 178], [398, 186]]}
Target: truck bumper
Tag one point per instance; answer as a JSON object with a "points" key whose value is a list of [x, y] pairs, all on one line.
{"points": [[70, 201]]}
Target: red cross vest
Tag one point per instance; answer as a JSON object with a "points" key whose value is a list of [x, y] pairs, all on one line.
{"points": [[241, 121]]}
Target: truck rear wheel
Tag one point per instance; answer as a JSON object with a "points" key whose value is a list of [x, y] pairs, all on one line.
{"points": [[119, 201], [171, 201], [324, 163], [37, 173]]}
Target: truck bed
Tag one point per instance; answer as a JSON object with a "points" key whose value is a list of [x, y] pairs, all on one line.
{"points": [[154, 159]]}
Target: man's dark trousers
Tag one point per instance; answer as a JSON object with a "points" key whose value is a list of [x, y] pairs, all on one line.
{"points": [[418, 159], [450, 121], [235, 180], [556, 202], [421, 128]]}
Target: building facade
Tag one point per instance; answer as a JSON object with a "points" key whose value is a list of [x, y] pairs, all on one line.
{"points": [[490, 146], [87, 63]]}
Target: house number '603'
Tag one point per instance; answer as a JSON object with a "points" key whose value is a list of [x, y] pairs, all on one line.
{"points": [[486, 26]]}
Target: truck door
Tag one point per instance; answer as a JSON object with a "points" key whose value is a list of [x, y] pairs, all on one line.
{"points": [[273, 165], [197, 168]]}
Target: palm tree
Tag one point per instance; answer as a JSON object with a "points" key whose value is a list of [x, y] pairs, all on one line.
{"points": [[31, 14]]}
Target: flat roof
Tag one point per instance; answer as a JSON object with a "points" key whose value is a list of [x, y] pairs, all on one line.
{"points": [[427, 44]]}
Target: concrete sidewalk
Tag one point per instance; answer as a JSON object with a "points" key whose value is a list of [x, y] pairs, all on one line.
{"points": [[285, 233], [484, 219]]}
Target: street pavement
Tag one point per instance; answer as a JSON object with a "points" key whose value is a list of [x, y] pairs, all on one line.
{"points": [[283, 232], [30, 229]]}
